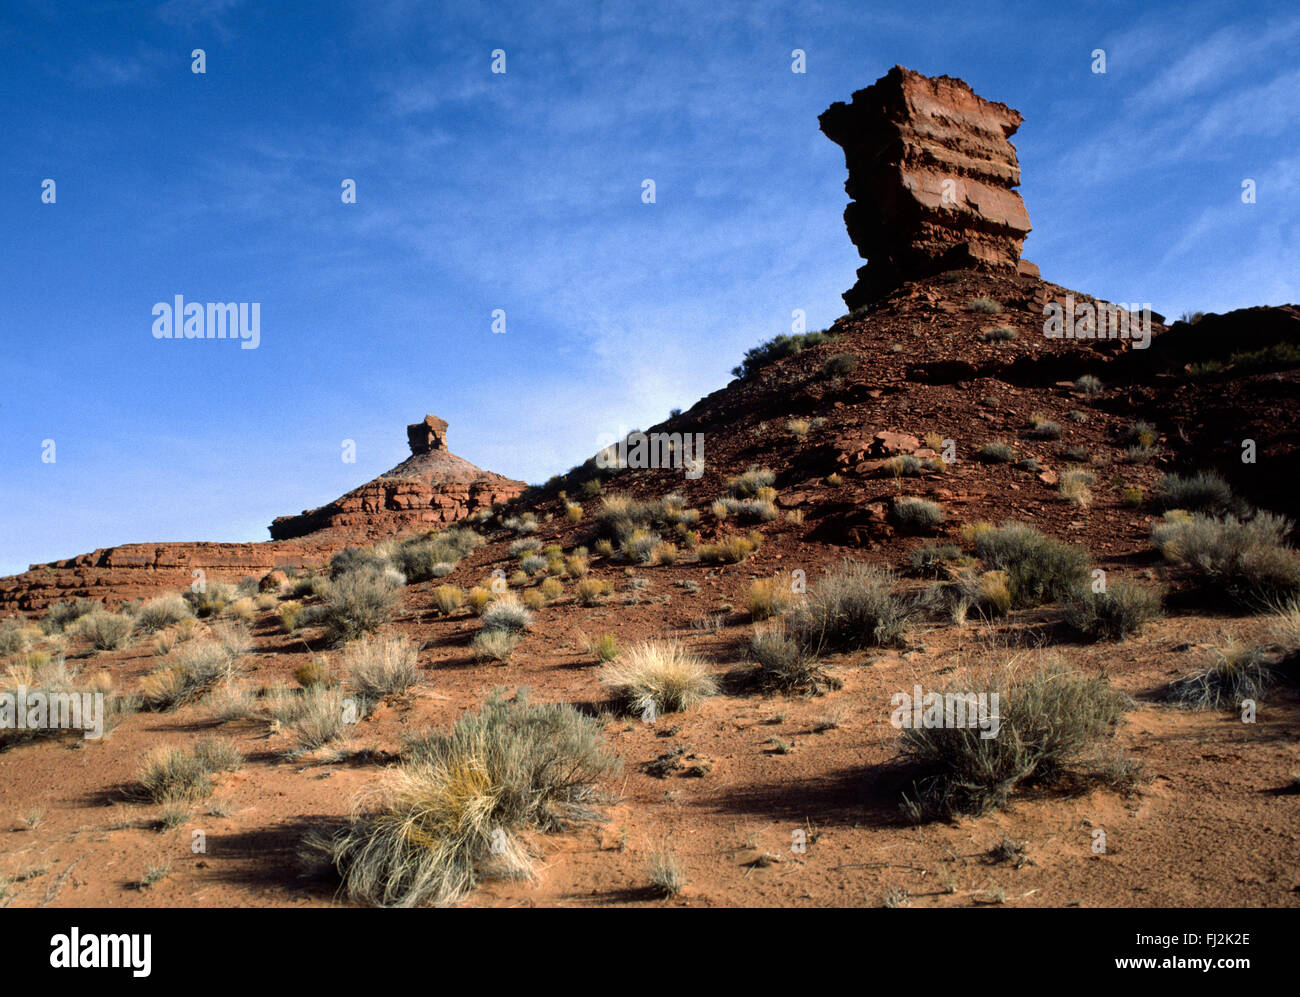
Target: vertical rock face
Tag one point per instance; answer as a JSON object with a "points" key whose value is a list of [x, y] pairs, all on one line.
{"points": [[931, 180], [431, 434]]}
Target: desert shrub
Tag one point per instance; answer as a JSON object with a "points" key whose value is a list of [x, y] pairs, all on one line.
{"points": [[984, 305], [996, 452], [917, 515], [1053, 723], [13, 636], [60, 614], [1205, 492], [1039, 568], [105, 631], [243, 609], [1043, 428], [1116, 613], [1131, 496], [315, 717], [1142, 435], [171, 775], [782, 665], [1248, 561], [749, 484], [751, 510], [533, 564], [507, 614], [162, 612], [656, 677], [378, 667], [433, 556], [211, 598], [782, 346], [360, 602], [854, 606], [1234, 674], [1089, 385], [525, 545], [591, 590], [447, 599], [533, 599], [41, 674], [769, 597], [1002, 334], [933, 559], [452, 813], [188, 674], [840, 365], [639, 546]]}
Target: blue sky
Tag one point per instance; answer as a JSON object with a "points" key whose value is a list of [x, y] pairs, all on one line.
{"points": [[522, 191]]}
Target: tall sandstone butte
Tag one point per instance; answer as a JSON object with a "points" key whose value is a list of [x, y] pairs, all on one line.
{"points": [[931, 180], [432, 487]]}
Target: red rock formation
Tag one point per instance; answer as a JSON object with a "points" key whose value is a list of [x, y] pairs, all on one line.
{"points": [[931, 180], [432, 487], [130, 571]]}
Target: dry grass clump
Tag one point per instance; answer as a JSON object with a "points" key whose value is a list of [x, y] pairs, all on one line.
{"points": [[769, 597], [605, 647], [1039, 568], [577, 565], [289, 614], [1089, 385], [494, 645], [1248, 561], [155, 614], [933, 559], [591, 590], [454, 812], [507, 613], [1055, 726], [317, 716], [655, 677], [378, 667], [666, 874], [781, 665], [854, 606], [1116, 613], [731, 549], [183, 775], [192, 671], [984, 305], [996, 452], [1076, 486], [1044, 428]]}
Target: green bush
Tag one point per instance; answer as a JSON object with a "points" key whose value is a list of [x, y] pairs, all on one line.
{"points": [[1052, 724], [853, 607], [1111, 615], [776, 349], [1204, 492], [1038, 568], [1248, 561]]}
